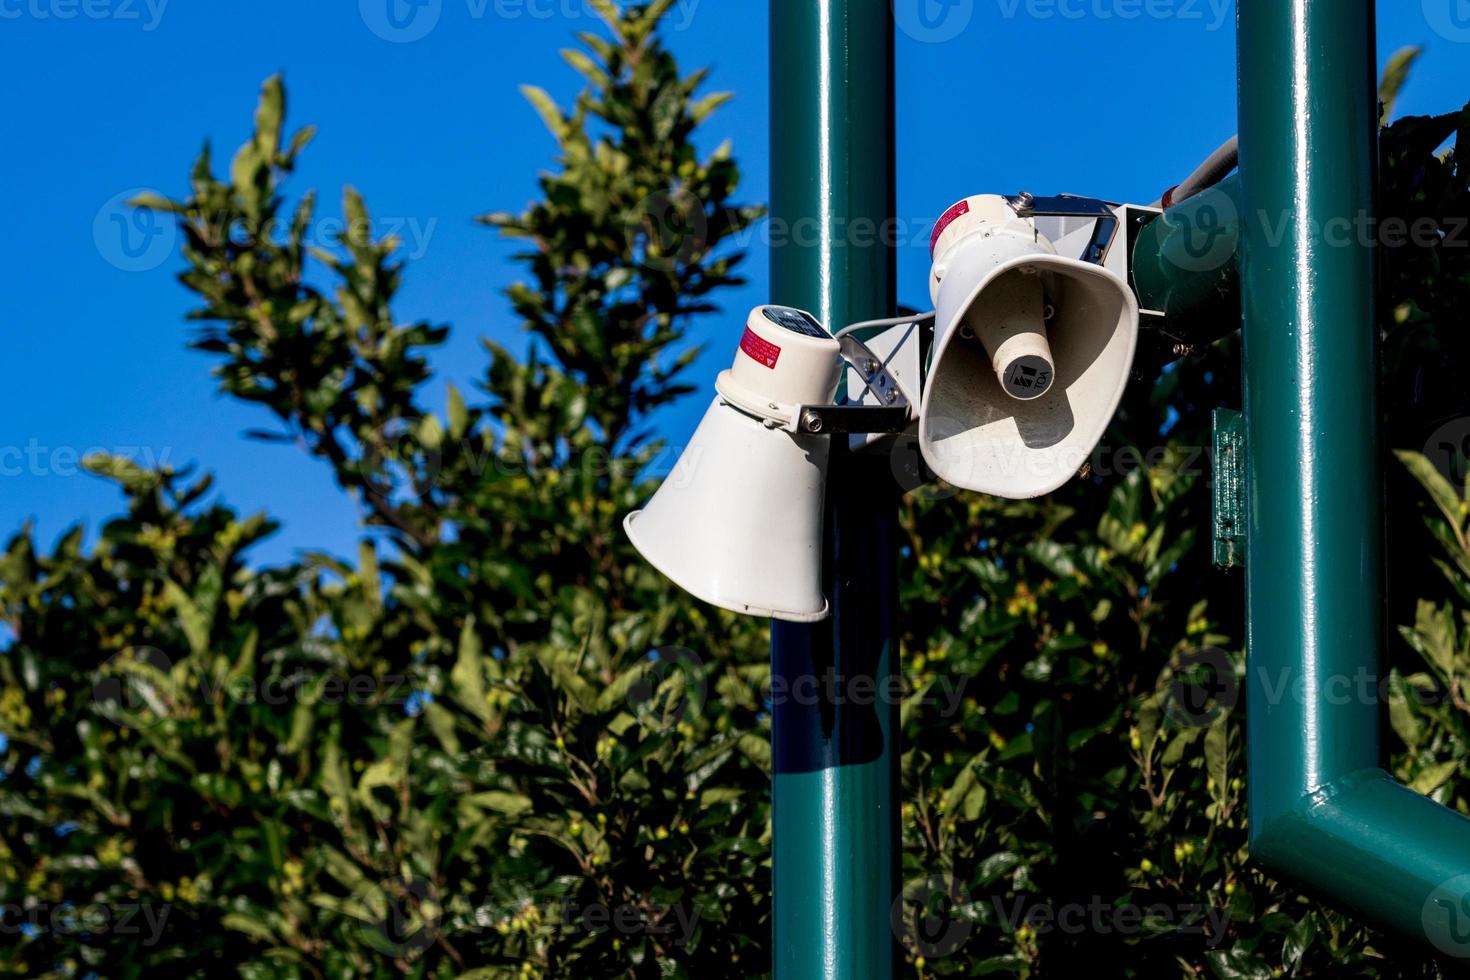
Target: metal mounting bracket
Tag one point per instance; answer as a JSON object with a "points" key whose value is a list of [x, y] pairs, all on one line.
{"points": [[1230, 488], [891, 414], [1069, 206]]}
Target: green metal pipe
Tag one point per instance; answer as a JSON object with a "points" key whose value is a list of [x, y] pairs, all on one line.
{"points": [[834, 795], [1322, 811], [1186, 266]]}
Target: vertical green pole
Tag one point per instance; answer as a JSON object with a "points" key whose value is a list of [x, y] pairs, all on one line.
{"points": [[1321, 811], [834, 805], [1308, 112]]}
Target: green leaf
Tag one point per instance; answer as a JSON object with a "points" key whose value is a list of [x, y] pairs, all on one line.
{"points": [[392, 769], [510, 804], [1434, 777], [156, 202], [1298, 941], [1395, 74], [1433, 637], [757, 749], [995, 866], [1443, 495], [609, 12], [1238, 963], [368, 573], [430, 433], [248, 176], [708, 105], [250, 926], [1174, 753], [195, 618], [133, 478], [1400, 713], [1217, 755], [269, 116], [459, 416], [300, 141], [335, 782], [467, 679], [561, 665], [617, 692], [546, 108], [588, 68], [441, 723], [963, 783]]}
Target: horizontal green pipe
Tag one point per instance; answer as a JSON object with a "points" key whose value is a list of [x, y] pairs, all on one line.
{"points": [[1322, 812], [1372, 843], [1186, 265]]}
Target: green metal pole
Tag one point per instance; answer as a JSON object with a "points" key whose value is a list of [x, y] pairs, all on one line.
{"points": [[834, 804], [1322, 811], [1315, 594]]}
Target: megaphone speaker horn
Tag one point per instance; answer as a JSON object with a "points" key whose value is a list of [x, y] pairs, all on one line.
{"points": [[738, 523], [1031, 357]]}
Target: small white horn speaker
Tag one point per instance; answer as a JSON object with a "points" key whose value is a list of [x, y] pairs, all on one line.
{"points": [[1032, 353], [738, 522]]}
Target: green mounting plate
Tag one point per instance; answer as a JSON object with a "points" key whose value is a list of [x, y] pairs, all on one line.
{"points": [[1230, 502]]}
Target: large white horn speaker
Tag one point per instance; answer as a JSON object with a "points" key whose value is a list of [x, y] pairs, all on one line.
{"points": [[1032, 352]]}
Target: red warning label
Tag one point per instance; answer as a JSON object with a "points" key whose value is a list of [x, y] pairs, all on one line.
{"points": [[759, 348], [945, 220]]}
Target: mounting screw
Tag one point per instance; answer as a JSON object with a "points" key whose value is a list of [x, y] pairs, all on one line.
{"points": [[811, 422], [869, 365]]}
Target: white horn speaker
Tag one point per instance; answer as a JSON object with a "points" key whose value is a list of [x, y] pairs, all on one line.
{"points": [[1032, 352], [738, 523]]}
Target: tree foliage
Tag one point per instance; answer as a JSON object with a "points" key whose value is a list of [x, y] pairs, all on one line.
{"points": [[497, 744]]}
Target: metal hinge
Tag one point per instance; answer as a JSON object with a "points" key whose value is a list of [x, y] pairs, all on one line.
{"points": [[1230, 488]]}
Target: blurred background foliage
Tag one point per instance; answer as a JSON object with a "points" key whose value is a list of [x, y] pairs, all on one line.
{"points": [[498, 745]]}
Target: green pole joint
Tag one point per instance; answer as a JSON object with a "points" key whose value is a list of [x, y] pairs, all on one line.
{"points": [[1322, 812]]}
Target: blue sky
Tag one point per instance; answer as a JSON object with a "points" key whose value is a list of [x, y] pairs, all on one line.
{"points": [[1117, 98]]}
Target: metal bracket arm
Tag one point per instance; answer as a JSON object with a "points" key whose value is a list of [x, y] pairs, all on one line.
{"points": [[891, 414], [1069, 206]]}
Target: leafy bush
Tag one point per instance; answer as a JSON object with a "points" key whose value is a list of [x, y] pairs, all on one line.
{"points": [[496, 744]]}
